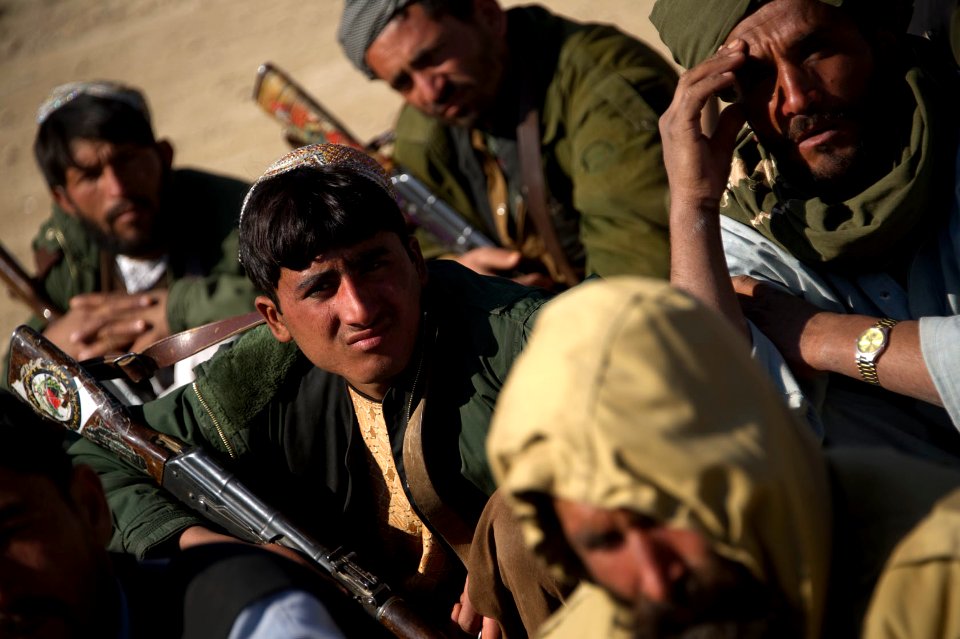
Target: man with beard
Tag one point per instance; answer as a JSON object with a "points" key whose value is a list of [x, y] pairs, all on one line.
{"points": [[659, 464], [57, 581], [838, 215], [502, 105], [134, 250]]}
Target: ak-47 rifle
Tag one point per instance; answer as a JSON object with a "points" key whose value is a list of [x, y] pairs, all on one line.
{"points": [[58, 388], [307, 122], [25, 287]]}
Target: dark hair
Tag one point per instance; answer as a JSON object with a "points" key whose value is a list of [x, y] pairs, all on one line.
{"points": [[293, 217], [460, 9], [91, 118], [32, 444]]}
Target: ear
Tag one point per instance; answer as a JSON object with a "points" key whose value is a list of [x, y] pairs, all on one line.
{"points": [[91, 503], [165, 149], [490, 15], [59, 195], [416, 256], [271, 312]]}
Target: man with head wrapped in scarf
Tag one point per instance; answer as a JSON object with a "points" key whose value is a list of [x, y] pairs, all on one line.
{"points": [[643, 450], [838, 212]]}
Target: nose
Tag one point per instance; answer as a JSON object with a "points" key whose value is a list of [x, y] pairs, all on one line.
{"points": [[429, 87], [114, 181], [796, 89], [355, 303], [660, 567]]}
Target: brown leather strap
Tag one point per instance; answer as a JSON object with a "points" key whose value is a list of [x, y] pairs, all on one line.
{"points": [[531, 169], [172, 349], [454, 529]]}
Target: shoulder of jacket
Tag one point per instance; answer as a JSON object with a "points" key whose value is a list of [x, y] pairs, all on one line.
{"points": [[456, 287]]}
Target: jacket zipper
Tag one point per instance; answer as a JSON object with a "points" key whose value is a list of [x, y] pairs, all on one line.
{"points": [[216, 423]]}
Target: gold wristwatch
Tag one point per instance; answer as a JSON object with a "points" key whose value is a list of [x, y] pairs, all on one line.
{"points": [[870, 346]]}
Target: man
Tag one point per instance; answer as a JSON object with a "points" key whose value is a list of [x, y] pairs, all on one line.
{"points": [[839, 212], [361, 409], [57, 579], [134, 250], [504, 105], [659, 464]]}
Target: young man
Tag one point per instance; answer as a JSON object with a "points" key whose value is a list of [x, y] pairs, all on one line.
{"points": [[471, 74], [134, 250], [644, 451], [838, 212], [361, 409], [57, 579]]}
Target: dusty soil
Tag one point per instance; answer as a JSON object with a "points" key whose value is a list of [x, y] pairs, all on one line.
{"points": [[196, 62]]}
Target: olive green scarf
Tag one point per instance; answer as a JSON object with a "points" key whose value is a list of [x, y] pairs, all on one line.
{"points": [[866, 230]]}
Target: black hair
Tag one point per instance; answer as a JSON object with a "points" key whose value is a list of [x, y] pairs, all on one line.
{"points": [[460, 9], [32, 444], [91, 118], [293, 217]]}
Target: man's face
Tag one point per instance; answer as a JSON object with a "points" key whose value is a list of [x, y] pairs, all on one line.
{"points": [[115, 191], [53, 564], [670, 578], [807, 87], [354, 311], [447, 68]]}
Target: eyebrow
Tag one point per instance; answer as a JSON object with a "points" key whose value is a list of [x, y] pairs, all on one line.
{"points": [[365, 256]]}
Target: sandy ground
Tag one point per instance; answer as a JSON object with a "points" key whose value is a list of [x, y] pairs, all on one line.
{"points": [[196, 61]]}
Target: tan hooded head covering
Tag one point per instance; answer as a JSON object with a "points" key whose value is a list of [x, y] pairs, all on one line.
{"points": [[632, 395]]}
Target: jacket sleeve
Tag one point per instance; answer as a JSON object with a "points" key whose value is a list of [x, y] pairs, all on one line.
{"points": [[615, 161]]}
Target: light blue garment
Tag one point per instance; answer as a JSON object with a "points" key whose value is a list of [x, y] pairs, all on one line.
{"points": [[849, 411], [290, 614]]}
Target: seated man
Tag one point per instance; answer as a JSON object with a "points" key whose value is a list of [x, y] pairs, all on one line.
{"points": [[503, 105], [839, 213], [58, 580], [361, 409], [134, 250], [644, 451]]}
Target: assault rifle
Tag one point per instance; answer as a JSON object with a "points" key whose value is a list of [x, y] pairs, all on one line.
{"points": [[25, 287], [307, 122], [58, 388]]}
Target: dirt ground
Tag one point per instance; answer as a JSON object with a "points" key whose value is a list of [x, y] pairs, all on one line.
{"points": [[196, 61]]}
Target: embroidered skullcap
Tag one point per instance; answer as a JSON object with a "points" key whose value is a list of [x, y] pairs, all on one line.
{"points": [[319, 155], [361, 23], [693, 30], [103, 89]]}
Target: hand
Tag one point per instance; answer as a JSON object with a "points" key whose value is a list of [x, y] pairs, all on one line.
{"points": [[493, 260], [470, 621], [697, 164], [110, 324], [785, 319]]}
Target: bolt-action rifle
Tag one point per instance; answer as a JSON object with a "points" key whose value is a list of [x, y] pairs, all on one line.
{"points": [[58, 388], [25, 288], [307, 122]]}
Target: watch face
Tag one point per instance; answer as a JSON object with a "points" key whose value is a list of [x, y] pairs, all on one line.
{"points": [[871, 340]]}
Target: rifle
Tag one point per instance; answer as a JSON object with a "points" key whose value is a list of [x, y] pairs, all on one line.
{"points": [[58, 388], [307, 122], [25, 287]]}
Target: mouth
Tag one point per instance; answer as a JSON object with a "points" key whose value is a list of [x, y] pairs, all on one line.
{"points": [[811, 132], [367, 339]]}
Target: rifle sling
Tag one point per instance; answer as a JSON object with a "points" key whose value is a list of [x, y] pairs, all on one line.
{"points": [[531, 170], [170, 350]]}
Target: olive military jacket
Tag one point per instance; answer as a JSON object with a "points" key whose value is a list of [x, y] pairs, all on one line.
{"points": [[600, 94]]}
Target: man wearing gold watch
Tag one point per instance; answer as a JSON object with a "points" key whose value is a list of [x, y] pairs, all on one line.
{"points": [[837, 216]]}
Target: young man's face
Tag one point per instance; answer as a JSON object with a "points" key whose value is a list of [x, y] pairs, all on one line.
{"points": [[806, 87], [445, 67], [670, 578], [354, 311], [53, 562], [115, 191]]}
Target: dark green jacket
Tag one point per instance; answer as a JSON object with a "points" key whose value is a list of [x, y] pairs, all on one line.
{"points": [[289, 429], [600, 95], [206, 281]]}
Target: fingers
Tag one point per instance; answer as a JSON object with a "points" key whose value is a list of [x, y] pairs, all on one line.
{"points": [[490, 260], [699, 84], [112, 302], [534, 279]]}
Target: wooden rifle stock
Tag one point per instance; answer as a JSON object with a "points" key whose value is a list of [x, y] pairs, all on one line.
{"points": [[25, 287], [58, 388]]}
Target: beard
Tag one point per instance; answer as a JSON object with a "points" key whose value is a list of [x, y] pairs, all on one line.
{"points": [[149, 239]]}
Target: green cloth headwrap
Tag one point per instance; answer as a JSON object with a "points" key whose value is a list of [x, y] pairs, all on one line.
{"points": [[361, 23]]}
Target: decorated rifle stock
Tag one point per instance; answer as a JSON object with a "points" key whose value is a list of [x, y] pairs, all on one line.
{"points": [[25, 287], [58, 388], [307, 122]]}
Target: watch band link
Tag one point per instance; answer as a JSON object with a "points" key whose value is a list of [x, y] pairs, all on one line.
{"points": [[868, 367]]}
